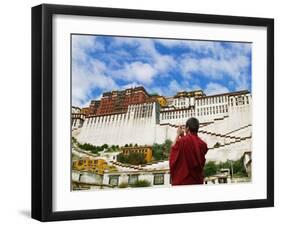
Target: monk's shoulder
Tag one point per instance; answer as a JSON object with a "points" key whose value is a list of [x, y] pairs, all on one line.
{"points": [[203, 143], [186, 138], [181, 140]]}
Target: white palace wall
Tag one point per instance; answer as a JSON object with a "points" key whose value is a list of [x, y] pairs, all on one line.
{"points": [[138, 125], [125, 128], [144, 124]]}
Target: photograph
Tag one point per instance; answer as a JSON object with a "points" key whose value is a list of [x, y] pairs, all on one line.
{"points": [[146, 112], [152, 112]]}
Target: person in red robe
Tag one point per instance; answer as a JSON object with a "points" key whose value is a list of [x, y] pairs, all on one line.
{"points": [[187, 155]]}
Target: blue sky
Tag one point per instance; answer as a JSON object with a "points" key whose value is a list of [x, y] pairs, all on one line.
{"points": [[163, 66]]}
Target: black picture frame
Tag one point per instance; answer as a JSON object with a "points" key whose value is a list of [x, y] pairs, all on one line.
{"points": [[42, 107]]}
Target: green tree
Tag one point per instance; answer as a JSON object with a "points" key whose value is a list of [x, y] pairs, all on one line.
{"points": [[167, 147], [121, 158], [136, 158], [94, 151], [217, 145], [141, 183], [157, 151], [132, 158], [225, 165], [210, 169], [238, 167], [154, 94], [74, 140], [123, 185], [104, 146]]}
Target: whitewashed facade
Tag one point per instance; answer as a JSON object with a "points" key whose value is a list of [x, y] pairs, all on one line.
{"points": [[225, 121], [77, 118]]}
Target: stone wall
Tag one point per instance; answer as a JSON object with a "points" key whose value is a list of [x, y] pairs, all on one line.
{"points": [[142, 125]]}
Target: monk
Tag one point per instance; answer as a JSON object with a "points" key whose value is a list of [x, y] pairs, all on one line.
{"points": [[187, 155]]}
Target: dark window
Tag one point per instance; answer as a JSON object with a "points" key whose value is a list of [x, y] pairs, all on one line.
{"points": [[158, 179], [113, 180], [222, 180], [133, 179]]}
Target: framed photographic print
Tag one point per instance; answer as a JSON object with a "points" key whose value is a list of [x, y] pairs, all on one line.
{"points": [[140, 112]]}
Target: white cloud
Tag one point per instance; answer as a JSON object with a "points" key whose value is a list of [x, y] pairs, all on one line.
{"points": [[120, 41], [171, 43], [87, 73], [214, 48], [164, 63], [215, 60], [161, 62], [86, 79], [198, 46], [175, 86], [136, 71], [131, 85], [143, 72], [146, 50], [81, 44], [148, 64], [216, 69], [142, 63], [215, 88]]}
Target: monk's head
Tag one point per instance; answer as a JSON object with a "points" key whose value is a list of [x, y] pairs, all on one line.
{"points": [[192, 125]]}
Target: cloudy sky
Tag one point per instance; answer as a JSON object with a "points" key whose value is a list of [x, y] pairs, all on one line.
{"points": [[104, 63]]}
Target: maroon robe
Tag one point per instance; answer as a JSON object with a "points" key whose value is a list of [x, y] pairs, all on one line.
{"points": [[187, 160]]}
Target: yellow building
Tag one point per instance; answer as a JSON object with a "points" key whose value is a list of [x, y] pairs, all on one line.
{"points": [[160, 99], [146, 150], [195, 93], [93, 165]]}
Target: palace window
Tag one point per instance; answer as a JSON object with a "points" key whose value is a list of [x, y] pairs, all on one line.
{"points": [[113, 180], [243, 100], [133, 179], [158, 179]]}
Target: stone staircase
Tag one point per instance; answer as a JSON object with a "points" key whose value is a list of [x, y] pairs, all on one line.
{"points": [[237, 140], [126, 166]]}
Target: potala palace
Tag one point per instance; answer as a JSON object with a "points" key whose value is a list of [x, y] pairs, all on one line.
{"points": [[134, 116]]}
